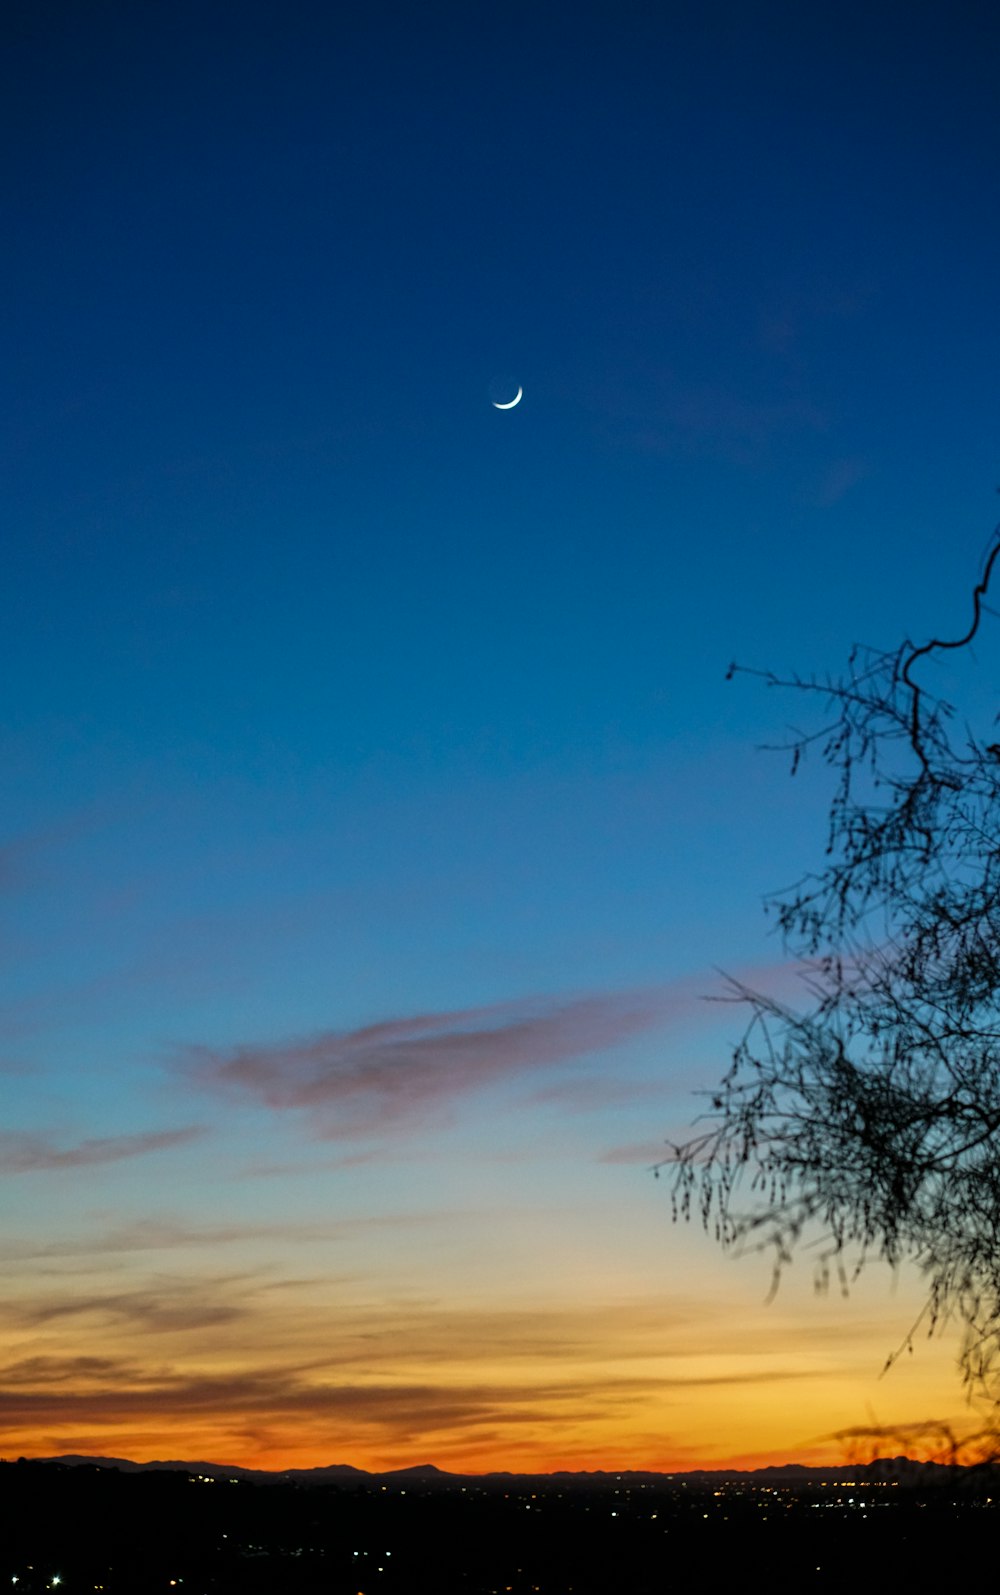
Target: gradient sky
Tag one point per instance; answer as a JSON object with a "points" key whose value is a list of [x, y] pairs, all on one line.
{"points": [[375, 815]]}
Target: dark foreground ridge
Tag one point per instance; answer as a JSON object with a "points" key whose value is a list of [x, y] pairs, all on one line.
{"points": [[76, 1524]]}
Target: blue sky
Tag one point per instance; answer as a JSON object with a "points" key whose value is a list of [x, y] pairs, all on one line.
{"points": [[335, 698]]}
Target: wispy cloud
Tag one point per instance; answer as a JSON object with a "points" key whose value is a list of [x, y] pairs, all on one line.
{"points": [[262, 1379], [641, 1152], [19, 853], [22, 1152], [167, 1234], [52, 1392], [180, 1308], [596, 1095], [838, 480], [657, 411], [392, 1075]]}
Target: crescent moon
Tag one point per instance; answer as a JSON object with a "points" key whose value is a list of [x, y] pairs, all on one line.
{"points": [[515, 400]]}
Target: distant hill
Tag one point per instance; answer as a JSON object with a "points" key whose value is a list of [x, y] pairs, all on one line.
{"points": [[903, 1469], [217, 1470]]}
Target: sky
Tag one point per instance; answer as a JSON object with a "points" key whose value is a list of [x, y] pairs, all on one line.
{"points": [[377, 822]]}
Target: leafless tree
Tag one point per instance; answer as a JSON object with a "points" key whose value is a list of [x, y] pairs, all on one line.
{"points": [[867, 1119]]}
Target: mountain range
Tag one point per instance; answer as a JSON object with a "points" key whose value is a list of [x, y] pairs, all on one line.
{"points": [[426, 1476]]}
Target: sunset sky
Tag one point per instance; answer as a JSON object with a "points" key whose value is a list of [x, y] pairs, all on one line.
{"points": [[375, 816]]}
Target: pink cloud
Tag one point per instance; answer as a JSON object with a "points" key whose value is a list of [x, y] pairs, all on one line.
{"points": [[838, 480], [391, 1075], [22, 1152], [591, 1094], [19, 854], [649, 1153]]}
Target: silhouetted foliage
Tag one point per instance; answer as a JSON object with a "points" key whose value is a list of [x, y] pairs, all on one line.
{"points": [[964, 1464], [869, 1118]]}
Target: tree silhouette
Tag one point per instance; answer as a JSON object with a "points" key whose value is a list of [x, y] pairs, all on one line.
{"points": [[869, 1118]]}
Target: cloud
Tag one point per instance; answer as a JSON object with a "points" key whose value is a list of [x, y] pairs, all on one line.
{"points": [[58, 1391], [22, 1152], [41, 1373], [18, 854], [592, 1094], [176, 1305], [659, 412], [393, 1075], [838, 480], [166, 1234], [297, 1380], [648, 1153]]}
